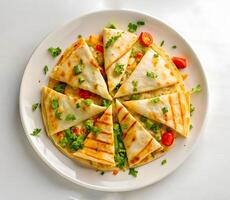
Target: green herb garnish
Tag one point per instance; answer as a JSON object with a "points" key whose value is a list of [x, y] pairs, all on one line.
{"points": [[106, 103], [112, 40], [70, 117], [78, 143], [45, 69], [63, 142], [196, 89], [58, 114], [80, 80], [140, 22], [102, 173], [79, 36], [78, 68], [89, 125], [119, 68], [135, 97], [151, 75], [163, 162], [78, 105], [132, 27], [192, 109], [174, 47], [164, 110], [133, 172], [36, 132], [162, 43], [54, 104], [190, 127], [112, 26], [60, 87], [135, 84], [155, 100], [54, 52], [87, 102], [156, 55], [35, 106], [124, 126]]}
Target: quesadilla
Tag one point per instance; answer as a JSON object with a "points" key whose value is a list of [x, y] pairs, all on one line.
{"points": [[116, 43], [150, 74], [61, 112], [78, 68], [138, 142], [116, 71], [172, 110], [100, 147]]}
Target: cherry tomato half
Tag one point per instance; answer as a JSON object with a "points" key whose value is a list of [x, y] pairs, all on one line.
{"points": [[146, 39], [167, 138], [85, 94], [180, 62], [99, 48]]}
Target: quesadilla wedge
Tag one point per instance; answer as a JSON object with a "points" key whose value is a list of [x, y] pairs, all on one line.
{"points": [[100, 147], [150, 74], [116, 43], [116, 71], [172, 110], [138, 142], [61, 112], [78, 68]]}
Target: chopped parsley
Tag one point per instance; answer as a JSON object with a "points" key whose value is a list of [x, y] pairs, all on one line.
{"points": [[135, 84], [124, 126], [89, 125], [140, 22], [132, 27], [155, 100], [35, 106], [60, 87], [162, 43], [133, 53], [54, 104], [78, 143], [63, 142], [58, 114], [135, 97], [151, 75], [112, 26], [120, 152], [117, 86], [87, 102], [80, 80], [174, 47], [78, 68], [45, 69], [196, 89], [54, 52], [133, 172], [163, 162], [96, 130], [164, 110], [192, 109], [106, 103], [78, 105], [79, 36], [70, 117], [36, 132], [156, 55], [112, 40], [190, 127], [119, 68]]}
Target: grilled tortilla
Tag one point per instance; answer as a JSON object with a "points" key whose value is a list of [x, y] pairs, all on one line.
{"points": [[138, 142], [173, 110], [152, 73], [100, 148], [116, 43], [60, 112], [78, 68]]}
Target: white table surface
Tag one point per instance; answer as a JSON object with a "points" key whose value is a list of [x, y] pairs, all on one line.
{"points": [[204, 23]]}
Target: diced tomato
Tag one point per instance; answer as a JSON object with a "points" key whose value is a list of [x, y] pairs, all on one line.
{"points": [[180, 62], [85, 94], [99, 48], [76, 131], [167, 138], [146, 39], [139, 55], [115, 172], [61, 135]]}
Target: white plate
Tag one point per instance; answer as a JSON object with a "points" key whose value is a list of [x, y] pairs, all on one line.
{"points": [[34, 79]]}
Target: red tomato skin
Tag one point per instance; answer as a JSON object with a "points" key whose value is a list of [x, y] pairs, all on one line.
{"points": [[167, 138], [180, 62], [76, 131], [85, 94], [99, 48], [139, 55], [146, 39]]}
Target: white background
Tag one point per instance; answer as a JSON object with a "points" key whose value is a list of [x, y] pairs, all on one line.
{"points": [[206, 26]]}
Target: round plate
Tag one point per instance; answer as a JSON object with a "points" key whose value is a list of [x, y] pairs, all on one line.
{"points": [[34, 79]]}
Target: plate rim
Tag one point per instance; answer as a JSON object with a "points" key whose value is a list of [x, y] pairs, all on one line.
{"points": [[106, 188]]}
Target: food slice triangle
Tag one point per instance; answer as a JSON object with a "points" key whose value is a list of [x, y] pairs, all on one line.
{"points": [[78, 68], [61, 112], [138, 142], [100, 148], [173, 110], [116, 71], [150, 74], [116, 43]]}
